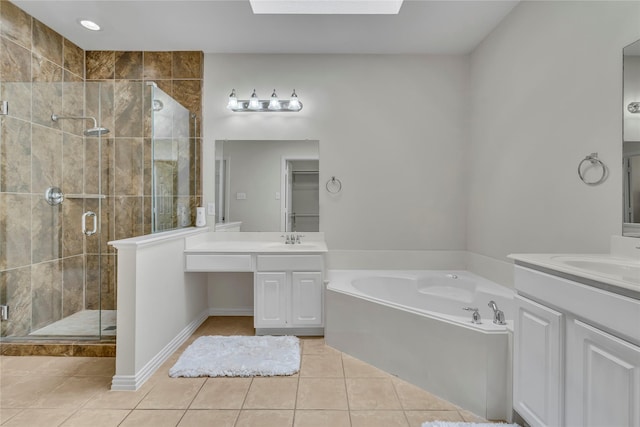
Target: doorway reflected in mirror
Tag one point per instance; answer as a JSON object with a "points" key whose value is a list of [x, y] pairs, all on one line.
{"points": [[268, 185]]}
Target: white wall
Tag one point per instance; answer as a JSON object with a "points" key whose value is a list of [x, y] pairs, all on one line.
{"points": [[546, 92], [230, 294], [474, 153], [159, 305], [393, 129]]}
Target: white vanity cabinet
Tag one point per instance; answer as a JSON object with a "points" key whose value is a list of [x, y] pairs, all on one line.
{"points": [[537, 364], [270, 300], [288, 293], [603, 378], [576, 353], [288, 279]]}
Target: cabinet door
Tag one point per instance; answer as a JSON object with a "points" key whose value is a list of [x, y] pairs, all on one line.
{"points": [[537, 364], [603, 379], [306, 305], [270, 300]]}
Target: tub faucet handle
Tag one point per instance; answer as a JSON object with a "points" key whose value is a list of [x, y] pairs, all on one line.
{"points": [[498, 315], [475, 316]]}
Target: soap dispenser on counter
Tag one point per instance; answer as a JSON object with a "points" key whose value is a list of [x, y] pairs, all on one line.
{"points": [[201, 220]]}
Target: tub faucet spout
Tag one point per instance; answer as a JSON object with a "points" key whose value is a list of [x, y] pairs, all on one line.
{"points": [[498, 315]]}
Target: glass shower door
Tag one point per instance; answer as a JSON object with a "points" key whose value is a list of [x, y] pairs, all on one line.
{"points": [[51, 266], [174, 157]]}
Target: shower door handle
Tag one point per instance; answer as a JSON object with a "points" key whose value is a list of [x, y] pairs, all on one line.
{"points": [[86, 215]]}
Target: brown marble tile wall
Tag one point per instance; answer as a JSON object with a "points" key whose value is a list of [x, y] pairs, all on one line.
{"points": [[15, 288], [46, 293], [179, 74]]}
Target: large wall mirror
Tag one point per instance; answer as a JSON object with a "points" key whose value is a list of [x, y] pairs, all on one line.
{"points": [[631, 140], [268, 185]]}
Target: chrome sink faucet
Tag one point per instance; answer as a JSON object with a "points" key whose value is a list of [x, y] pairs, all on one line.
{"points": [[498, 315], [287, 239], [292, 238]]}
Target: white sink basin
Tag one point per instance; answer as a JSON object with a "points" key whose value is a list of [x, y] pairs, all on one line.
{"points": [[622, 268]]}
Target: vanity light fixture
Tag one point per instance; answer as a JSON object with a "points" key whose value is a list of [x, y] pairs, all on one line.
{"points": [[294, 103], [255, 104], [89, 25], [634, 107], [233, 100], [274, 102]]}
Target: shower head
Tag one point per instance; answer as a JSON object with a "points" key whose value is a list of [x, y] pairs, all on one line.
{"points": [[94, 131]]}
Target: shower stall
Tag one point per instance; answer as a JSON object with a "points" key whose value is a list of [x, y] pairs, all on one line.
{"points": [[84, 163]]}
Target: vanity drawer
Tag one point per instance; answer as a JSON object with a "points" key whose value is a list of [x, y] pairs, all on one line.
{"points": [[290, 263], [208, 262], [610, 311]]}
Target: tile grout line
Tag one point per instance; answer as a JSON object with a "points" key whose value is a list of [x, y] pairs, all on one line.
{"points": [[20, 410], [191, 402], [70, 415], [126, 416], [244, 401], [346, 392], [404, 410], [295, 401]]}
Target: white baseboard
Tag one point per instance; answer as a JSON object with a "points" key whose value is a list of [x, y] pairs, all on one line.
{"points": [[238, 311], [133, 382]]}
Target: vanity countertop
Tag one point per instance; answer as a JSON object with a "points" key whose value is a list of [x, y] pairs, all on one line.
{"points": [[615, 274], [252, 243]]}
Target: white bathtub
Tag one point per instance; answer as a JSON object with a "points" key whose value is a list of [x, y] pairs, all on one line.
{"points": [[412, 325]]}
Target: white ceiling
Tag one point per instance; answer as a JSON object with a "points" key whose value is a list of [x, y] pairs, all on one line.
{"points": [[229, 26]]}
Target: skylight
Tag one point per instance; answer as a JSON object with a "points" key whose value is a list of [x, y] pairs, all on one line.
{"points": [[327, 7]]}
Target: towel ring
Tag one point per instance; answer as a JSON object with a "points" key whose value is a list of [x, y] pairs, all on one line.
{"points": [[334, 186], [594, 161]]}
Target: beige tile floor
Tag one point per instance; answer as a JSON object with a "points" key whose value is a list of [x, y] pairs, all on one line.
{"points": [[332, 389]]}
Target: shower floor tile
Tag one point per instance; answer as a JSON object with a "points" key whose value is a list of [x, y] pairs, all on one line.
{"points": [[82, 323]]}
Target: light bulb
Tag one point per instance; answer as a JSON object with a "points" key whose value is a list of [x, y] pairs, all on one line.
{"points": [[274, 102], [254, 102], [294, 103], [233, 100]]}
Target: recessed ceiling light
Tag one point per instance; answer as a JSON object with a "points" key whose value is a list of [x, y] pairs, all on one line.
{"points": [[326, 7], [89, 25]]}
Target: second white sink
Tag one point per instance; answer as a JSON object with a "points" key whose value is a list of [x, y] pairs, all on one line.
{"points": [[293, 246], [610, 266]]}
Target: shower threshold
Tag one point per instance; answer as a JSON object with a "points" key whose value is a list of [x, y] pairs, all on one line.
{"points": [[86, 323]]}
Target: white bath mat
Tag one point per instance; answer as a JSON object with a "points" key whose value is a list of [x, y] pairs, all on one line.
{"points": [[239, 356], [450, 424]]}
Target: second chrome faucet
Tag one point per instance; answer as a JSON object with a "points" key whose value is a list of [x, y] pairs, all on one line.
{"points": [[498, 315]]}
